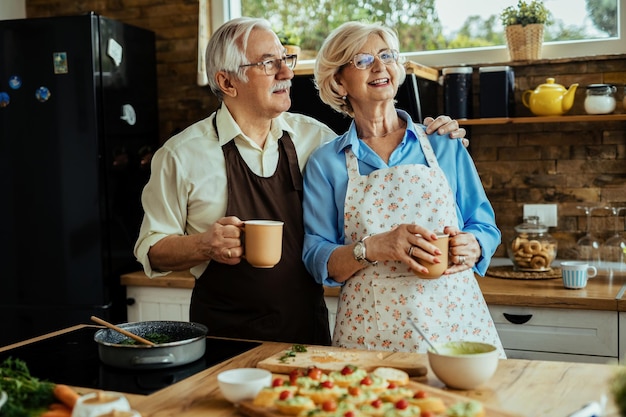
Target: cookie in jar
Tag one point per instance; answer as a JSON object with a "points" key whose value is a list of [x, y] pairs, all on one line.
{"points": [[532, 249]]}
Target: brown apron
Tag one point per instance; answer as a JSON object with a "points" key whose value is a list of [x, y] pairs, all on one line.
{"points": [[283, 303]]}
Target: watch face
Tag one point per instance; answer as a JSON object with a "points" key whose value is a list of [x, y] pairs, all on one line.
{"points": [[359, 251]]}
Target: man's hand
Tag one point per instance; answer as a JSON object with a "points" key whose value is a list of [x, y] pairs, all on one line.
{"points": [[445, 124]]}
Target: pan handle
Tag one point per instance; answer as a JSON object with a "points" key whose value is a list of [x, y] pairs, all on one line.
{"points": [[153, 360]]}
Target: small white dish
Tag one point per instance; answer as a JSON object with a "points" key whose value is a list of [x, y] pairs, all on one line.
{"points": [[98, 403], [243, 384]]}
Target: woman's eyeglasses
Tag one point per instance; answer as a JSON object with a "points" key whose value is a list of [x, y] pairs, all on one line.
{"points": [[364, 61], [273, 66]]}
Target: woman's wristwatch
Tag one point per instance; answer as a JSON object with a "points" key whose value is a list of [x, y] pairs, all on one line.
{"points": [[360, 253]]}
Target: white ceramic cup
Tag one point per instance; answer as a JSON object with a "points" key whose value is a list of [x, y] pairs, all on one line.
{"points": [[576, 273], [263, 242]]}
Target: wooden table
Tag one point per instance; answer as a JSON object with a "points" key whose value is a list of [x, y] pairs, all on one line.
{"points": [[528, 388]]}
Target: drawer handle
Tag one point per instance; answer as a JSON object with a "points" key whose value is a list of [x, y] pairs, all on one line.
{"points": [[517, 318], [130, 301]]}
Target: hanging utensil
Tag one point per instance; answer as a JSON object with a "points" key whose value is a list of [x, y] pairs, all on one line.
{"points": [[417, 329], [122, 331]]}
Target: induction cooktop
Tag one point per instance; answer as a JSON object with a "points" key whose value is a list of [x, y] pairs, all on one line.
{"points": [[72, 358]]}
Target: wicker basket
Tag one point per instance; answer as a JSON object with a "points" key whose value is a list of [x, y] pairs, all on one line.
{"points": [[525, 42]]}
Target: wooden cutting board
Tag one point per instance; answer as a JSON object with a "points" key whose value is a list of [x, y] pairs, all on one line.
{"points": [[335, 358], [449, 398]]}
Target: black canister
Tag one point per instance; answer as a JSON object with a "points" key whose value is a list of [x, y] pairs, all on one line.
{"points": [[457, 92], [497, 91]]}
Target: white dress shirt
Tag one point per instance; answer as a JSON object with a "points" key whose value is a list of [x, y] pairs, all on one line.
{"points": [[187, 190]]}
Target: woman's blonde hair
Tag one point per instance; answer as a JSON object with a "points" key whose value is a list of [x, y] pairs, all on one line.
{"points": [[338, 50]]}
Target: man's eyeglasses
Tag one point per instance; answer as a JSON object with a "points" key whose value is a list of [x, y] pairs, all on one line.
{"points": [[364, 61], [273, 66]]}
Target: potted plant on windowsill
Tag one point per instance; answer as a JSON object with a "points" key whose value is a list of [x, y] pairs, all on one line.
{"points": [[290, 40], [524, 26]]}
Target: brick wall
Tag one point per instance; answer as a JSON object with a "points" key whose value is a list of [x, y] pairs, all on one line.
{"points": [[567, 164], [563, 163], [175, 23]]}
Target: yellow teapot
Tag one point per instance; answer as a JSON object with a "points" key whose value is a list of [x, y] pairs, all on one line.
{"points": [[549, 99]]}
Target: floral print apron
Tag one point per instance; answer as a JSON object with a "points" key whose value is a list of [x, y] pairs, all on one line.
{"points": [[376, 304]]}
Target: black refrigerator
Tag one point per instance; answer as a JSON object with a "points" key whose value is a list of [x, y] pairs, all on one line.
{"points": [[78, 126]]}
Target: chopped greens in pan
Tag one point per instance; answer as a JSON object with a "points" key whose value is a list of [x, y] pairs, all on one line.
{"points": [[157, 338]]}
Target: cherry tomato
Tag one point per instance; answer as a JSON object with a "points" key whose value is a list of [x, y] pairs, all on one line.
{"points": [[377, 403], [427, 414], [420, 394], [354, 391], [367, 381], [294, 375], [278, 382], [285, 394], [328, 384], [315, 373], [402, 404], [329, 405], [348, 414], [391, 385], [347, 370]]}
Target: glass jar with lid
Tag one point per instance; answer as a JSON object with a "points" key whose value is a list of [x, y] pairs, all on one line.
{"points": [[600, 99], [532, 248]]}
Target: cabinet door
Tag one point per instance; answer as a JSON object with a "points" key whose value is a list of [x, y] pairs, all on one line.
{"points": [[555, 330], [156, 303], [622, 337], [331, 304]]}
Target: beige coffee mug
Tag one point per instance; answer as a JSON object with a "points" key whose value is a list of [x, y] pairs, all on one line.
{"points": [[436, 270], [263, 242]]}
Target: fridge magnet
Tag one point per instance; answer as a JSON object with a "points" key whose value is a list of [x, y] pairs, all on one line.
{"points": [[43, 94], [115, 51], [4, 99], [15, 82], [60, 62]]}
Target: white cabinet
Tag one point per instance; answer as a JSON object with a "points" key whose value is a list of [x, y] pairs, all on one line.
{"points": [[558, 334], [331, 305], [158, 303], [622, 337]]}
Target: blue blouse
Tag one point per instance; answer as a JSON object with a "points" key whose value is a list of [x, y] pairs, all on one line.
{"points": [[325, 185]]}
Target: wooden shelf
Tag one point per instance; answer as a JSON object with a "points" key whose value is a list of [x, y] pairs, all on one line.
{"points": [[543, 119]]}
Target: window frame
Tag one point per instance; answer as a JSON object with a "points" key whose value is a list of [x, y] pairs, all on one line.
{"points": [[222, 10]]}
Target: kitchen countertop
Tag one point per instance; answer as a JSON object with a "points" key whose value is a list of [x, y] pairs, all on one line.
{"points": [[525, 387], [603, 292]]}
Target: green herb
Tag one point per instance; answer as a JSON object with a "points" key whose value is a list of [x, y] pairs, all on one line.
{"points": [[292, 353], [154, 337], [526, 13], [28, 395]]}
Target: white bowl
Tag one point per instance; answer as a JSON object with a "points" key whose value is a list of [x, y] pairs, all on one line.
{"points": [[98, 403], [464, 364], [244, 383]]}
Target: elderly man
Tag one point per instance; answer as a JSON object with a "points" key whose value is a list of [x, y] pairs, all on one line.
{"points": [[242, 162]]}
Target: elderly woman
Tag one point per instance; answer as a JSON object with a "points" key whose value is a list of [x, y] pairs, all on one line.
{"points": [[375, 199]]}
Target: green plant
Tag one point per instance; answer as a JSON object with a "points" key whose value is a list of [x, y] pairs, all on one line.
{"points": [[289, 37], [525, 13]]}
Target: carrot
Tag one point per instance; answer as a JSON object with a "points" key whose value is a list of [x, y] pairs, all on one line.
{"points": [[57, 413], [59, 406], [66, 395]]}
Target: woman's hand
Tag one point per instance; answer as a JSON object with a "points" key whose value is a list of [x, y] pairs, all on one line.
{"points": [[464, 250], [445, 124], [405, 243]]}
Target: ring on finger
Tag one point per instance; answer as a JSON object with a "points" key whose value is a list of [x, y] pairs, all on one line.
{"points": [[462, 259], [410, 251], [229, 254]]}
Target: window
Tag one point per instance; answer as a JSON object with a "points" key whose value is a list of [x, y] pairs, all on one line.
{"points": [[444, 32]]}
